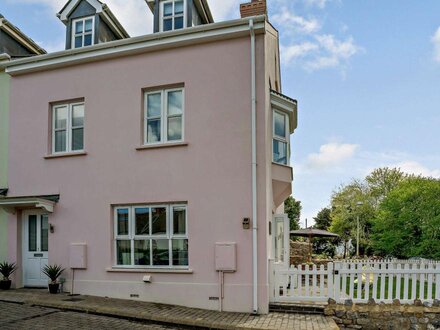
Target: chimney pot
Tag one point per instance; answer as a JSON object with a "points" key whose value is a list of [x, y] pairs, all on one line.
{"points": [[253, 8]]}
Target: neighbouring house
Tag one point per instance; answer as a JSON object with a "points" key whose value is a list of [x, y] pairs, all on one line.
{"points": [[153, 168], [13, 44]]}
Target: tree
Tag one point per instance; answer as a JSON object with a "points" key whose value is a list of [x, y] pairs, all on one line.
{"points": [[408, 220], [293, 209], [323, 219], [345, 212], [325, 246], [382, 181]]}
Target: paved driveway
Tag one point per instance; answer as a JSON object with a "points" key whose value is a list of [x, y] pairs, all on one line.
{"points": [[16, 316]]}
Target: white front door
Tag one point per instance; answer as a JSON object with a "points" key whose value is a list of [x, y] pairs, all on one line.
{"points": [[35, 248], [281, 240]]}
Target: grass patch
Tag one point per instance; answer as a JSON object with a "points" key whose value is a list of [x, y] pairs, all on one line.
{"points": [[386, 294]]}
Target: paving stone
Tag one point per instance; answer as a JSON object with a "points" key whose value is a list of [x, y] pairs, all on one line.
{"points": [[147, 312]]}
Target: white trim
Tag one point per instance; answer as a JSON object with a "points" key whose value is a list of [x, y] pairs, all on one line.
{"points": [[163, 116], [84, 33], [286, 105], [64, 13], [132, 237], [69, 128], [285, 139], [286, 239], [137, 45], [24, 238], [201, 5], [173, 16], [254, 167], [9, 204]]}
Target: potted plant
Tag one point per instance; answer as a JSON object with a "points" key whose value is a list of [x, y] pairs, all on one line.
{"points": [[53, 272], [6, 269]]}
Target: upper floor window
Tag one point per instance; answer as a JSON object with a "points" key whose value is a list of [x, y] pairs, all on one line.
{"points": [[163, 116], [280, 138], [82, 32], [172, 15], [151, 236], [68, 128]]}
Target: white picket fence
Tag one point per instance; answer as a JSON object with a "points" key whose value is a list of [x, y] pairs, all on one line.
{"points": [[359, 281]]}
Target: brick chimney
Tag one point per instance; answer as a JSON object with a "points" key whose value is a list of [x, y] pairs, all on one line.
{"points": [[253, 8]]}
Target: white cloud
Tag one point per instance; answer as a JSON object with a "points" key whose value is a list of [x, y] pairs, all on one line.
{"points": [[318, 3], [331, 154], [342, 49], [134, 15], [436, 41], [294, 52], [333, 52], [55, 5], [325, 52], [222, 9], [297, 23], [414, 167]]}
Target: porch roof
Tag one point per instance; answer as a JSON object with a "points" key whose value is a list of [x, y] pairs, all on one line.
{"points": [[46, 203]]}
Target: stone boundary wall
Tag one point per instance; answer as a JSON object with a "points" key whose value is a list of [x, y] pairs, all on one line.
{"points": [[372, 316]]}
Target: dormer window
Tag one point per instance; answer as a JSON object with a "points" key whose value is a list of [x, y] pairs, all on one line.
{"points": [[172, 15], [82, 32], [90, 22]]}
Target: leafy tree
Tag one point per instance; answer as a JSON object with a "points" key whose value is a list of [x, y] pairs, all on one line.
{"points": [[348, 203], [323, 221], [293, 209], [382, 181], [408, 220]]}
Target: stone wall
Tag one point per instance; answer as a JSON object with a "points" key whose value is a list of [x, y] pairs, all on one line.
{"points": [[372, 316], [299, 252]]}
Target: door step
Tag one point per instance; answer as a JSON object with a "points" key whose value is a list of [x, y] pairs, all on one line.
{"points": [[297, 309]]}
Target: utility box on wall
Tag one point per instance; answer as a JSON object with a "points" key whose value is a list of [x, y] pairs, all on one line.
{"points": [[226, 257], [78, 256]]}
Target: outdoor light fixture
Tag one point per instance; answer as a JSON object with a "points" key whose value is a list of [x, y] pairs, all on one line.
{"points": [[51, 228]]}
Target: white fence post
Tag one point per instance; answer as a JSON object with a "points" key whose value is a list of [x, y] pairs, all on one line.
{"points": [[382, 280]]}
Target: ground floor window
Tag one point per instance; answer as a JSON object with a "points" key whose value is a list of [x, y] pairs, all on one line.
{"points": [[151, 236]]}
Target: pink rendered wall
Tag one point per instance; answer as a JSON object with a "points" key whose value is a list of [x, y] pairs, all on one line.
{"points": [[212, 173]]}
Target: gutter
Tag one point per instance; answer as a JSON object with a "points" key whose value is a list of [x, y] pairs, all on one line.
{"points": [[137, 45], [254, 173]]}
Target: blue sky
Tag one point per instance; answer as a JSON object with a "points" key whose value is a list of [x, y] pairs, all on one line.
{"points": [[366, 74]]}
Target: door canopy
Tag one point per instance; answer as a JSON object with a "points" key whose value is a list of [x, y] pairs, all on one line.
{"points": [[12, 204]]}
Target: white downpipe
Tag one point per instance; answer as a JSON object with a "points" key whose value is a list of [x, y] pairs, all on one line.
{"points": [[254, 172]]}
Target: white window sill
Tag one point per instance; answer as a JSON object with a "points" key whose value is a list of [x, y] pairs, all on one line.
{"points": [[66, 154], [162, 145], [149, 270]]}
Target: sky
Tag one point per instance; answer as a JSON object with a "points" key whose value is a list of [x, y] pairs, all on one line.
{"points": [[366, 74]]}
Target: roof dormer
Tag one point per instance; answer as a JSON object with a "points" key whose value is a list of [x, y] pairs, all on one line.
{"points": [[172, 15], [15, 43], [90, 22]]}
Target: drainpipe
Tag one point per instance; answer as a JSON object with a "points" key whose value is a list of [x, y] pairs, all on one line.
{"points": [[254, 172]]}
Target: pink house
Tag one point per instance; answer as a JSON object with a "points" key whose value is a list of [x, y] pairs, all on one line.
{"points": [[153, 168]]}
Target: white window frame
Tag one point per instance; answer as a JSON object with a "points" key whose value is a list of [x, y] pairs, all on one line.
{"points": [[173, 16], [132, 237], [285, 139], [69, 128], [83, 34], [163, 116]]}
